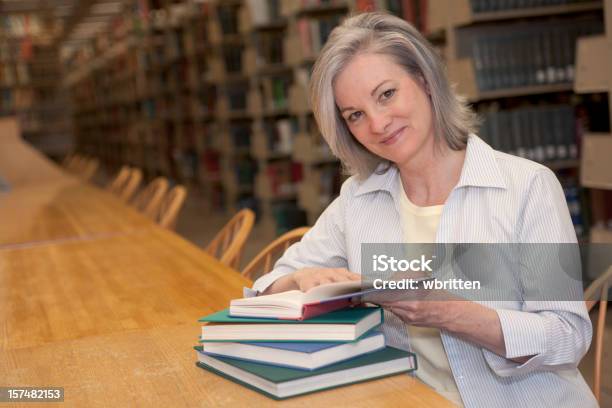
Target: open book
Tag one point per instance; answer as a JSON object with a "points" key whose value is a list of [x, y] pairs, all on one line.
{"points": [[298, 305]]}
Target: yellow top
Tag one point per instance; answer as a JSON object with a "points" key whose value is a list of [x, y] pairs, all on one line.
{"points": [[419, 225]]}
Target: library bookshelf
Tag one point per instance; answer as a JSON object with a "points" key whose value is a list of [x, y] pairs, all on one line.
{"points": [[215, 94], [593, 62], [29, 78], [515, 62]]}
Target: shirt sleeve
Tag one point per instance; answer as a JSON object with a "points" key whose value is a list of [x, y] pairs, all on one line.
{"points": [[322, 246], [552, 327]]}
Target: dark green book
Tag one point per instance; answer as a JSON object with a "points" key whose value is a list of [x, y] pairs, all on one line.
{"points": [[282, 382], [340, 325]]}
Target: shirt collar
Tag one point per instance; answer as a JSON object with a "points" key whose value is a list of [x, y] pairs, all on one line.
{"points": [[480, 169]]}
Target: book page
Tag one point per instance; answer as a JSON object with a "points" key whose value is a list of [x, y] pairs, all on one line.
{"points": [[290, 298], [330, 290], [295, 298]]}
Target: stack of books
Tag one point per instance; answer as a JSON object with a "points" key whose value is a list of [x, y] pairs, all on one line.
{"points": [[295, 343]]}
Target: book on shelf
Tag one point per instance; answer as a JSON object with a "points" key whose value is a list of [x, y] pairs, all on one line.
{"points": [[572, 196], [539, 133], [340, 325], [287, 216], [300, 355], [21, 25], [313, 32], [282, 382], [487, 6], [263, 12], [525, 54], [228, 18], [285, 130]]}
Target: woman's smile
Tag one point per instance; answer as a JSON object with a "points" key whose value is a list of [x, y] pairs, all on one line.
{"points": [[393, 137]]}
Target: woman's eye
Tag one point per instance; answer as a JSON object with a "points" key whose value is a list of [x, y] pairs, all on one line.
{"points": [[354, 116], [387, 94]]}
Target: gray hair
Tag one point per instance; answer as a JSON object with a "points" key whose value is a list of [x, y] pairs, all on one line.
{"points": [[453, 120]]}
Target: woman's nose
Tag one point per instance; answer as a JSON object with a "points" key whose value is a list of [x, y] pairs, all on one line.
{"points": [[379, 122]]}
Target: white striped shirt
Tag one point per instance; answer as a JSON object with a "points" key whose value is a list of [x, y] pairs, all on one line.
{"points": [[499, 199]]}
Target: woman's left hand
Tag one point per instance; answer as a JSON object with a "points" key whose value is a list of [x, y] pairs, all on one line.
{"points": [[428, 313], [465, 319], [420, 307]]}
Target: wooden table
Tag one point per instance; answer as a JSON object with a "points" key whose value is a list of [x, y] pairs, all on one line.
{"points": [[98, 300], [65, 209], [114, 321], [21, 164], [155, 367], [131, 281]]}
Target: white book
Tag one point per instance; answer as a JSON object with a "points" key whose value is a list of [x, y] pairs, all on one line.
{"points": [[301, 355], [260, 13], [340, 325]]}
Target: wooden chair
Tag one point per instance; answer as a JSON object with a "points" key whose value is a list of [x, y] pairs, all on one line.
{"points": [[597, 292], [148, 201], [75, 163], [89, 169], [228, 244], [171, 206], [116, 185], [131, 185], [264, 261], [67, 160]]}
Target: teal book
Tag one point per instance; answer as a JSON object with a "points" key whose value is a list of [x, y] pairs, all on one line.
{"points": [[341, 325], [283, 382]]}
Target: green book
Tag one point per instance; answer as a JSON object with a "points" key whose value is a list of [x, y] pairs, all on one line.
{"points": [[341, 325], [282, 382]]}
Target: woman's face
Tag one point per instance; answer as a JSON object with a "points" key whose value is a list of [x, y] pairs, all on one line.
{"points": [[384, 107]]}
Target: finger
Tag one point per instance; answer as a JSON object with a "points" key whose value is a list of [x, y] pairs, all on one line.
{"points": [[347, 275], [307, 284], [326, 279], [336, 278], [339, 278], [353, 276]]}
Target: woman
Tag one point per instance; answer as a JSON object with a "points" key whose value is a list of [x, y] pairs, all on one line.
{"points": [[384, 105]]}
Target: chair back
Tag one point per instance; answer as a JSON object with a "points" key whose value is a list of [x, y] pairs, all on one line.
{"points": [[148, 201], [75, 163], [171, 207], [597, 292], [264, 261], [228, 244], [67, 160], [131, 185], [117, 184], [89, 169]]}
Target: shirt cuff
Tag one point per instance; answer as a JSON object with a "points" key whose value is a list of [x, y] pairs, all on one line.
{"points": [[248, 292], [507, 368], [524, 335], [261, 284]]}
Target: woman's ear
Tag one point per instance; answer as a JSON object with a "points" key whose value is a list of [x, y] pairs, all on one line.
{"points": [[424, 85]]}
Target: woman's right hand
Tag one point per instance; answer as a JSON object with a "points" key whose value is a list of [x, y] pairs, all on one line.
{"points": [[307, 278]]}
